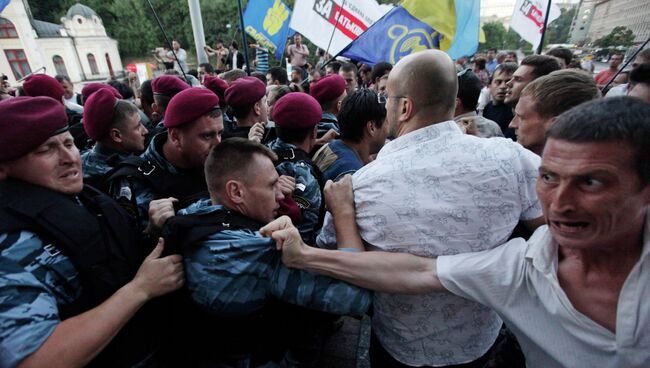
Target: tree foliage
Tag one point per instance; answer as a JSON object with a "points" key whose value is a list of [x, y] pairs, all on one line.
{"points": [[496, 36], [619, 36], [558, 30]]}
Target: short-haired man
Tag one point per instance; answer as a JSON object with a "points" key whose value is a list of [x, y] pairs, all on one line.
{"points": [[640, 82], [69, 94], [276, 76], [205, 69], [172, 165], [116, 128], [363, 132], [329, 91], [544, 99], [575, 294], [381, 84], [235, 58], [492, 62], [622, 89], [72, 274], [379, 70], [296, 116], [563, 55], [348, 72], [469, 89], [434, 190], [496, 110], [531, 68], [235, 274], [602, 78], [298, 54], [332, 68], [180, 60], [221, 52]]}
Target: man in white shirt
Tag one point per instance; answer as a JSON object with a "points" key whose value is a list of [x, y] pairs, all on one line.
{"points": [[181, 57], [576, 294], [434, 191]]}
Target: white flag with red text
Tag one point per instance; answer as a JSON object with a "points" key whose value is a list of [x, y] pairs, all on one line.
{"points": [[316, 20], [528, 19]]}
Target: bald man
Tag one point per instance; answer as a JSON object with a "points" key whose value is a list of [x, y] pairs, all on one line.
{"points": [[435, 191]]}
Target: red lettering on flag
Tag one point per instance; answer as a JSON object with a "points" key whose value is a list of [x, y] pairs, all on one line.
{"points": [[347, 23]]}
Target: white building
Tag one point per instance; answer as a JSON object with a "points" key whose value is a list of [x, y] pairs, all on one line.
{"points": [[632, 14], [79, 48]]}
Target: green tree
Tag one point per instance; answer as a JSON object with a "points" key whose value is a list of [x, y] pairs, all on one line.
{"points": [[495, 34], [558, 30], [619, 36]]}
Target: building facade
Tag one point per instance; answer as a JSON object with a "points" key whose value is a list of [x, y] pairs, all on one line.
{"points": [[78, 47], [633, 14]]}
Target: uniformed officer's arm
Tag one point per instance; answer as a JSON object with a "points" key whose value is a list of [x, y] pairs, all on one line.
{"points": [[77, 340], [381, 271]]}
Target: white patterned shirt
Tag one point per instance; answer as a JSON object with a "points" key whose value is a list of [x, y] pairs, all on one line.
{"points": [[519, 281], [436, 191]]}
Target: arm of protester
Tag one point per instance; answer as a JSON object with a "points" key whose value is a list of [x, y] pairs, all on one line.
{"points": [[400, 273], [340, 202], [256, 133], [327, 137], [77, 340], [159, 211]]}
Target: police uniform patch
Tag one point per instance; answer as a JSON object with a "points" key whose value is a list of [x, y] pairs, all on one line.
{"points": [[301, 187], [125, 192], [303, 203]]}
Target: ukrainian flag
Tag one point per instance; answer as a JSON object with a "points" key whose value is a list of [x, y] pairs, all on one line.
{"points": [[449, 25]]}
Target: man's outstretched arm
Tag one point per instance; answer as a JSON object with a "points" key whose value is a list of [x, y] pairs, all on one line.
{"points": [[381, 271]]}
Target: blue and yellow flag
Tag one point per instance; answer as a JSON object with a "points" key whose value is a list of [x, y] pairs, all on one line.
{"points": [[449, 25], [267, 21]]}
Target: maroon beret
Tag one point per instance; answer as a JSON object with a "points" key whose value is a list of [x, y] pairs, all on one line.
{"points": [[27, 122], [297, 110], [43, 85], [189, 105], [98, 113], [168, 85], [328, 88], [216, 85], [91, 88], [245, 91]]}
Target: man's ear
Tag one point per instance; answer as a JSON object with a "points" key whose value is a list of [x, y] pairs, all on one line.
{"points": [[115, 135], [235, 191], [174, 136], [314, 132], [371, 129], [257, 108]]}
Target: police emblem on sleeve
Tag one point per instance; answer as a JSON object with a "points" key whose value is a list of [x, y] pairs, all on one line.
{"points": [[302, 202]]}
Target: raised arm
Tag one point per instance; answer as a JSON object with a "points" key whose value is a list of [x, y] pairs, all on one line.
{"points": [[381, 271], [340, 202], [77, 340]]}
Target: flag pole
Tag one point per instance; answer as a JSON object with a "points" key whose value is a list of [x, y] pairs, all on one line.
{"points": [[243, 36], [334, 30], [541, 42]]}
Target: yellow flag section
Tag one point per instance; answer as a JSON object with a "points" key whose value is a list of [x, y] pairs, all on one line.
{"points": [[456, 20]]}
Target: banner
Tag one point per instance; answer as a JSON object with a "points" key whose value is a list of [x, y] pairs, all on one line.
{"points": [[528, 19], [448, 25], [316, 20], [267, 21]]}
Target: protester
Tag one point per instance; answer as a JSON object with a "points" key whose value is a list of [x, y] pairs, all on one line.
{"points": [[590, 261]]}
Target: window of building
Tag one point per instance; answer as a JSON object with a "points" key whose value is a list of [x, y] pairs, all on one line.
{"points": [[18, 62], [93, 64], [59, 65], [7, 29]]}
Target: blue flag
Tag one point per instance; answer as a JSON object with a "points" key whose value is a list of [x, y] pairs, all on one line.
{"points": [[267, 21], [3, 4], [395, 35], [451, 26]]}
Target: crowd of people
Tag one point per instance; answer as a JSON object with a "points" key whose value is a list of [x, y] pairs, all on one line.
{"points": [[492, 215]]}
